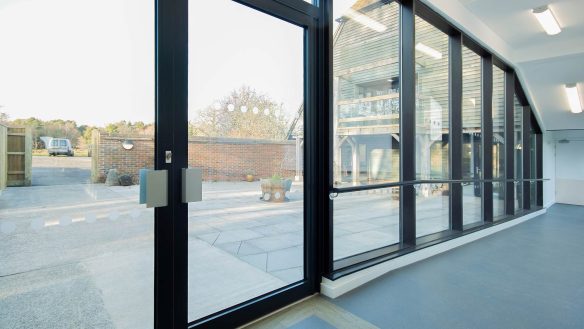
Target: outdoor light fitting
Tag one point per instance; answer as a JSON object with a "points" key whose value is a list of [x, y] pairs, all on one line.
{"points": [[127, 144], [428, 51], [573, 98], [547, 20]]}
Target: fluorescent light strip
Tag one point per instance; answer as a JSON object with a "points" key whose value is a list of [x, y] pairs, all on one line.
{"points": [[428, 51], [547, 20], [364, 20], [573, 98]]}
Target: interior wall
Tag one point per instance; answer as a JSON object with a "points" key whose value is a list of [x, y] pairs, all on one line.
{"points": [[570, 172], [549, 169]]}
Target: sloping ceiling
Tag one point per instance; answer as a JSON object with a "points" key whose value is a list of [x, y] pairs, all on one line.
{"points": [[544, 63]]}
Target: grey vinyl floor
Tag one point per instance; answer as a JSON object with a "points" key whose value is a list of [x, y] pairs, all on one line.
{"points": [[528, 276]]}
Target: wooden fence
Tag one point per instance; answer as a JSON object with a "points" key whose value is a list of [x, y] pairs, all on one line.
{"points": [[18, 155], [3, 156]]}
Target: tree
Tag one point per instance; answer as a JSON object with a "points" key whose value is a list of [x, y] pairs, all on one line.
{"points": [[244, 113], [53, 128], [128, 128]]}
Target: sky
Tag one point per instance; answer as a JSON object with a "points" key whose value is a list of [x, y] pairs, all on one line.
{"points": [[92, 61]]}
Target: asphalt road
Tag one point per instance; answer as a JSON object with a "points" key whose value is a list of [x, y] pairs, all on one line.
{"points": [[60, 170]]}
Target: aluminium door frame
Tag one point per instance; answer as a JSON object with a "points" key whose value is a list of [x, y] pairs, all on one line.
{"points": [[171, 229]]}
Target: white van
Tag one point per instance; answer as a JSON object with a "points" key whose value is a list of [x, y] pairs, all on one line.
{"points": [[60, 146]]}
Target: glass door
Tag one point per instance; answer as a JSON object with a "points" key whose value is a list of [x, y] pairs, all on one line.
{"points": [[86, 107], [246, 134], [77, 125]]}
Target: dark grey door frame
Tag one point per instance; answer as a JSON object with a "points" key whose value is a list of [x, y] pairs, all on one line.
{"points": [[171, 230]]}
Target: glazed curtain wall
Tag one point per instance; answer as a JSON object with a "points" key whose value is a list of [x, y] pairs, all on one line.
{"points": [[432, 136]]}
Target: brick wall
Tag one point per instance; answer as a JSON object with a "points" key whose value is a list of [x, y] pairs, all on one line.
{"points": [[107, 153], [221, 159]]}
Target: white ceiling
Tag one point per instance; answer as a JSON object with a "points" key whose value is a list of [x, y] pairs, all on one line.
{"points": [[544, 63]]}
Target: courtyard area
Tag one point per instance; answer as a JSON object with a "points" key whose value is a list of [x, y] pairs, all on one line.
{"points": [[90, 247]]}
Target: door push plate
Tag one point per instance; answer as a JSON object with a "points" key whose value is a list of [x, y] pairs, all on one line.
{"points": [[154, 188], [192, 185]]}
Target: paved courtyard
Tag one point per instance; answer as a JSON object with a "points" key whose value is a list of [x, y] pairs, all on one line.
{"points": [[83, 253]]}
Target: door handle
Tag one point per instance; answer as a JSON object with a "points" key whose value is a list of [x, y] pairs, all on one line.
{"points": [[192, 185], [154, 188]]}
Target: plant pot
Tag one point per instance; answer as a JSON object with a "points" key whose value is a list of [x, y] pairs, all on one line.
{"points": [[275, 190]]}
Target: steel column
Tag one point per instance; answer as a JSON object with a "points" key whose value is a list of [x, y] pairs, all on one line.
{"points": [[526, 157], [407, 128], [455, 134], [509, 142], [487, 140]]}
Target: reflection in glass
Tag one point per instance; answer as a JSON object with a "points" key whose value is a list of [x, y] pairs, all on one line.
{"points": [[366, 93], [432, 215], [472, 136], [364, 221], [532, 169], [432, 115], [518, 152], [498, 142], [246, 134]]}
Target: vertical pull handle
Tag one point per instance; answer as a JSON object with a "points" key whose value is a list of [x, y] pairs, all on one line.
{"points": [[154, 188], [192, 185]]}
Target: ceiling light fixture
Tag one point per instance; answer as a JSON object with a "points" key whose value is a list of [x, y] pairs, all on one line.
{"points": [[428, 51], [365, 20], [573, 98], [547, 20]]}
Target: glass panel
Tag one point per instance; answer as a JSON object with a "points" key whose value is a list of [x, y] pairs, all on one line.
{"points": [[472, 136], [498, 142], [518, 151], [366, 93], [533, 169], [365, 220], [432, 215], [431, 126], [431, 102], [246, 118], [76, 248]]}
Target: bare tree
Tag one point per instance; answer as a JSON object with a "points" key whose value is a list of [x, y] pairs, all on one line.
{"points": [[244, 113]]}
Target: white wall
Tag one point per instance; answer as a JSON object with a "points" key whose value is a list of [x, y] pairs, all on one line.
{"points": [[549, 169], [570, 172]]}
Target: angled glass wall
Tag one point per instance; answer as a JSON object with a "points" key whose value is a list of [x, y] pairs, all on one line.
{"points": [[471, 136], [410, 98], [432, 128]]}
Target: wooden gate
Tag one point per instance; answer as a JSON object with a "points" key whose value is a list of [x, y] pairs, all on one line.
{"points": [[19, 156], [3, 155]]}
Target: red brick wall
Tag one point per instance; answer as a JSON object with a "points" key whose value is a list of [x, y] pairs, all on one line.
{"points": [[220, 159], [107, 153]]}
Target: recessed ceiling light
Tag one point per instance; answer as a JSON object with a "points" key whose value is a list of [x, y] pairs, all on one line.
{"points": [[365, 20], [547, 20], [573, 98], [428, 51]]}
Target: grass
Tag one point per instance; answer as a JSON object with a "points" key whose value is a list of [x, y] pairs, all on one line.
{"points": [[76, 152]]}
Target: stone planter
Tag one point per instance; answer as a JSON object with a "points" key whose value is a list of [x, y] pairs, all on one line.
{"points": [[274, 190]]}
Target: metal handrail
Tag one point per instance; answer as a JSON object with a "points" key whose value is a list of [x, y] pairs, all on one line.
{"points": [[337, 190]]}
